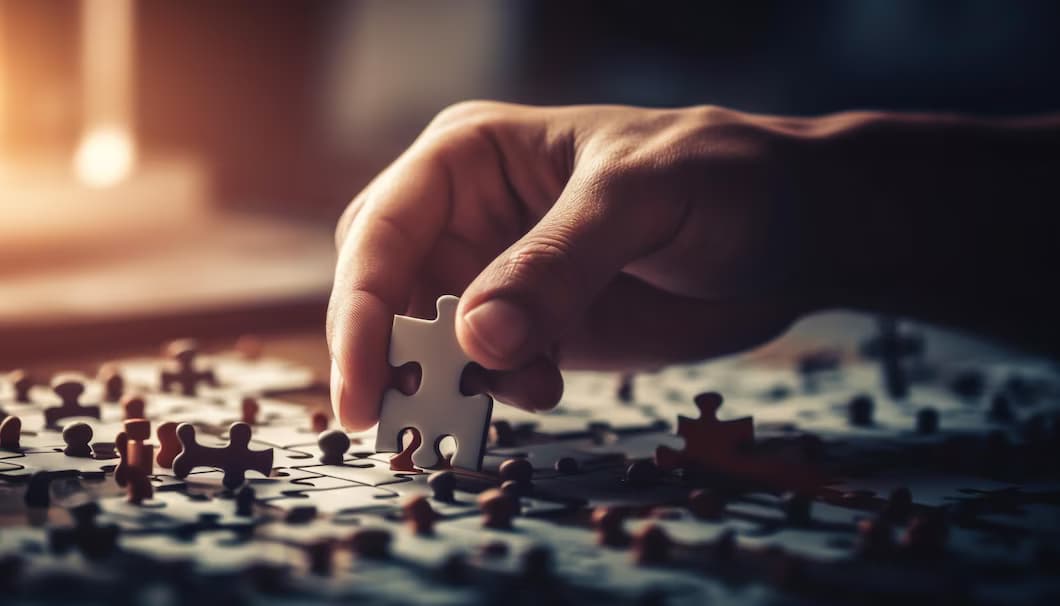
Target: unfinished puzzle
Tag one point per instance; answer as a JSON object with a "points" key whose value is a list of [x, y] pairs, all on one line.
{"points": [[909, 469]]}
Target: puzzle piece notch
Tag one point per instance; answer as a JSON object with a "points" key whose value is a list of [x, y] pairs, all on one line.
{"points": [[69, 388], [727, 447], [438, 408], [235, 458]]}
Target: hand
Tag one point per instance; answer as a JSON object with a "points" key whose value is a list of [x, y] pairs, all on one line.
{"points": [[586, 236]]}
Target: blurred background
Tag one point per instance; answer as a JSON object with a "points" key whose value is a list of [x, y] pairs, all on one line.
{"points": [[186, 161]]}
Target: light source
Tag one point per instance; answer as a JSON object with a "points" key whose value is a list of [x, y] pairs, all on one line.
{"points": [[106, 154]]}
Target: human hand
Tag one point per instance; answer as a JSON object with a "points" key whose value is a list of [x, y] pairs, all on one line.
{"points": [[584, 236]]}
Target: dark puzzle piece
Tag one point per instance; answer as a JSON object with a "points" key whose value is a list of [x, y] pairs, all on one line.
{"points": [[859, 410], [133, 407], [709, 443], [11, 434], [651, 546], [235, 459], [249, 409], [38, 490], [727, 448], [77, 437], [891, 346], [22, 383], [113, 383], [497, 509], [419, 514], [442, 484], [333, 445], [69, 388], [138, 486], [245, 501], [91, 539], [182, 371]]}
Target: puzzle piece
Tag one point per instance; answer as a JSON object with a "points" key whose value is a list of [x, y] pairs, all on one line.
{"points": [[18, 385], [709, 443], [69, 388], [727, 448], [183, 370], [437, 409], [745, 547], [235, 458]]}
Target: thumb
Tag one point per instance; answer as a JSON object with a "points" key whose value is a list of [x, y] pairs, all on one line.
{"points": [[523, 301]]}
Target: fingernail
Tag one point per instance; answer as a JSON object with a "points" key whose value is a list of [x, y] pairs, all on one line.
{"points": [[501, 327]]}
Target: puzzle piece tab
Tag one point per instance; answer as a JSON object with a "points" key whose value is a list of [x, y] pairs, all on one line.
{"points": [[438, 408]]}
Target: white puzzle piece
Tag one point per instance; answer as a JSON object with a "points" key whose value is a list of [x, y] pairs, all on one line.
{"points": [[437, 409]]}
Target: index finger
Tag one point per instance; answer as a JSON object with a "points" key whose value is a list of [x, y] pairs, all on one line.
{"points": [[401, 216]]}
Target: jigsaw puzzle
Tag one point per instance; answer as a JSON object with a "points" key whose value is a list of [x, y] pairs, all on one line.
{"points": [[686, 485]]}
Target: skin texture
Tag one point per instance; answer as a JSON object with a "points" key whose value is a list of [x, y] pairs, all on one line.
{"points": [[617, 237]]}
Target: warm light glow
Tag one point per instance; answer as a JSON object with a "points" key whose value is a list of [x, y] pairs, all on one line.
{"points": [[105, 157], [106, 153], [3, 89]]}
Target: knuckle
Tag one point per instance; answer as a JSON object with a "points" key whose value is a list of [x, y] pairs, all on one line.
{"points": [[466, 144], [342, 228], [463, 111], [543, 259]]}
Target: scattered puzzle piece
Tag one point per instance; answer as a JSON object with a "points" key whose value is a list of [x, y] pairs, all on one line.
{"points": [[182, 371], [727, 448], [682, 538], [235, 458], [69, 388]]}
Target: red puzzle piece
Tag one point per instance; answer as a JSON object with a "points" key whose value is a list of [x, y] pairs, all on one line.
{"points": [[727, 447]]}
